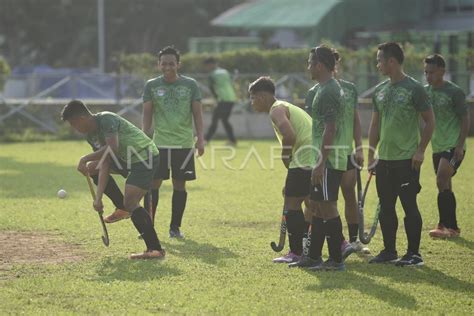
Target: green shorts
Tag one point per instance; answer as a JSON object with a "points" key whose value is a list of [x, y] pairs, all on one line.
{"points": [[142, 173]]}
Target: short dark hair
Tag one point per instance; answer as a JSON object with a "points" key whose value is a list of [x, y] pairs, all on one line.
{"points": [[74, 109], [436, 59], [169, 50], [264, 84], [337, 57], [392, 49], [324, 55], [210, 61]]}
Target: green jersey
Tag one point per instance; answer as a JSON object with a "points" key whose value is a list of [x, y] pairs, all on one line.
{"points": [[222, 86], [133, 145], [398, 105], [302, 153], [172, 110], [449, 105], [327, 107], [350, 104]]}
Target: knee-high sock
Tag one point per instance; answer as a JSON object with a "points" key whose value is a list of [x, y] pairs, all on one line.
{"points": [[334, 237], [143, 224], [112, 191], [155, 195], [295, 224], [178, 204], [447, 209], [353, 232], [318, 234]]}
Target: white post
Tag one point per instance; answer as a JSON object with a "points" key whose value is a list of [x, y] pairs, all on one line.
{"points": [[101, 35]]}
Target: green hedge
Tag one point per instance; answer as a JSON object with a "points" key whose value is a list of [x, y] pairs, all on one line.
{"points": [[4, 71], [286, 61]]}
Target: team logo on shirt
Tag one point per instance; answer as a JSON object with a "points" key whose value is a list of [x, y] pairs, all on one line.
{"points": [[160, 92], [401, 98]]}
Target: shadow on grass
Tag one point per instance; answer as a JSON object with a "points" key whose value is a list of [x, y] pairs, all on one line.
{"points": [[352, 279], [205, 252], [360, 276], [460, 241], [133, 270]]}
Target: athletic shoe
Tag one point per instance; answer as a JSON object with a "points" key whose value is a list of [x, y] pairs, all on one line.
{"points": [[306, 262], [453, 233], [346, 249], [330, 265], [360, 247], [289, 258], [149, 254], [116, 216], [410, 259], [384, 257], [440, 232], [175, 233]]}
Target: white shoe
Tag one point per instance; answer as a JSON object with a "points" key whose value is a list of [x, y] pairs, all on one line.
{"points": [[360, 247]]}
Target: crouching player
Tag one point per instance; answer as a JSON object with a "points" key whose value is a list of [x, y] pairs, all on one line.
{"points": [[120, 139], [292, 127]]}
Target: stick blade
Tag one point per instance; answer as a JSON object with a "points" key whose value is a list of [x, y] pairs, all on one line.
{"points": [[275, 247]]}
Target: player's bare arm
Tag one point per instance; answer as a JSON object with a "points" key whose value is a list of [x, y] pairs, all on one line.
{"points": [[328, 139], [147, 118], [198, 124], [359, 154], [104, 170], [373, 138], [279, 116], [426, 133], [465, 124]]}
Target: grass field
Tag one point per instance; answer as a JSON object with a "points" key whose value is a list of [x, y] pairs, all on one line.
{"points": [[56, 263]]}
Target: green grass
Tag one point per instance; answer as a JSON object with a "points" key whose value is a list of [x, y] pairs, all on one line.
{"points": [[224, 265]]}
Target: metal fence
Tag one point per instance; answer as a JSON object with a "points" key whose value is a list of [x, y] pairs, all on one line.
{"points": [[34, 101]]}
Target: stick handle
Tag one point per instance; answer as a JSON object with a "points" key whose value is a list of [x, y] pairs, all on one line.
{"points": [[91, 188]]}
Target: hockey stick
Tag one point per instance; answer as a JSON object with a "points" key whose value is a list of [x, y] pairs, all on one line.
{"points": [[105, 235], [281, 242], [361, 195]]}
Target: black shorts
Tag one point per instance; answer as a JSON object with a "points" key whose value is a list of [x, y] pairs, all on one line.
{"points": [[180, 161], [142, 173], [298, 182], [329, 190], [350, 163], [119, 167], [448, 155]]}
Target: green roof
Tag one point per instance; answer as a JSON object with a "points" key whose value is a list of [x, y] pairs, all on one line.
{"points": [[272, 14]]}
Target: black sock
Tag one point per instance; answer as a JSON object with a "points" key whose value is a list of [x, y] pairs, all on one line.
{"points": [[353, 232], [454, 219], [413, 225], [333, 237], [155, 198], [442, 208], [112, 191], [295, 224], [143, 224], [318, 235], [447, 209], [178, 204]]}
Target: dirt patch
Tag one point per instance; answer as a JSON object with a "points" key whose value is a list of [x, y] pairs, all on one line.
{"points": [[35, 247]]}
